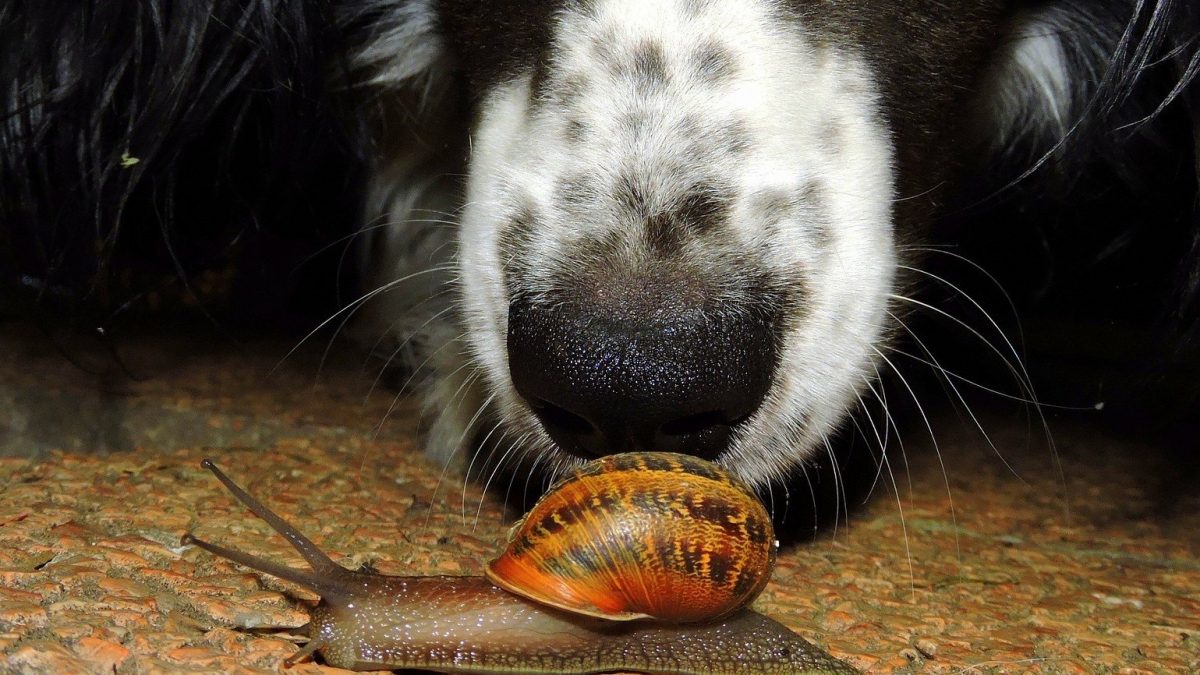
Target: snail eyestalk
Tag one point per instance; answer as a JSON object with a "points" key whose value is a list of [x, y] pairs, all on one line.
{"points": [[315, 557], [326, 578]]}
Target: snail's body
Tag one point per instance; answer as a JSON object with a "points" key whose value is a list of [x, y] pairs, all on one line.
{"points": [[466, 624], [368, 621]]}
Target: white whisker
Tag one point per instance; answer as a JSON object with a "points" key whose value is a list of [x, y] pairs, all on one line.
{"points": [[966, 406], [354, 304], [936, 448]]}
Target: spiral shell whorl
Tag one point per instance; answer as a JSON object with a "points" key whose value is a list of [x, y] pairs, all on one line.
{"points": [[639, 535]]}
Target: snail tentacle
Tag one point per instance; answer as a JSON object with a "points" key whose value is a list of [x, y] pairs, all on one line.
{"points": [[304, 578], [315, 557], [310, 648]]}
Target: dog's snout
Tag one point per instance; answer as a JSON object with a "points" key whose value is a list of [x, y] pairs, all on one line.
{"points": [[644, 373]]}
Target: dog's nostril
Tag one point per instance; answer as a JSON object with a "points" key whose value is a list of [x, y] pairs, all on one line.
{"points": [[571, 432], [562, 419]]}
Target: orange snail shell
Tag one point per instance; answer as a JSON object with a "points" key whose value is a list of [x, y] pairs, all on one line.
{"points": [[642, 535]]}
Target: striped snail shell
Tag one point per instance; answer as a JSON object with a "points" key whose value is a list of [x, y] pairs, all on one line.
{"points": [[642, 535]]}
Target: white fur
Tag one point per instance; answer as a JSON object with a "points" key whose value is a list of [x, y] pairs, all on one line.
{"points": [[406, 49], [788, 94], [1035, 88]]}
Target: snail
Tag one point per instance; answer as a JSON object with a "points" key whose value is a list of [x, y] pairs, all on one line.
{"points": [[574, 591]]}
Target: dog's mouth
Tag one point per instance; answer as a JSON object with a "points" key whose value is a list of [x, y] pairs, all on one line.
{"points": [[705, 434]]}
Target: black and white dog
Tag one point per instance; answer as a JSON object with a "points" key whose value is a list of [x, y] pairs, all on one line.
{"points": [[689, 225]]}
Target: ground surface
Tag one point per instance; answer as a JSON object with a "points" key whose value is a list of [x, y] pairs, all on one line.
{"points": [[1023, 575]]}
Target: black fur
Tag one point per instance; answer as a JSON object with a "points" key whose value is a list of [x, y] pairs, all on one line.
{"points": [[143, 143]]}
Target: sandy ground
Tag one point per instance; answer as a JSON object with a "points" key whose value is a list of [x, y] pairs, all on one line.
{"points": [[977, 569]]}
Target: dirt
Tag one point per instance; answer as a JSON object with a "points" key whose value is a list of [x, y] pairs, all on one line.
{"points": [[1042, 567]]}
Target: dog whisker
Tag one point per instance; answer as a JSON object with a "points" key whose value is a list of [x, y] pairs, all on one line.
{"points": [[933, 441], [969, 410], [447, 463]]}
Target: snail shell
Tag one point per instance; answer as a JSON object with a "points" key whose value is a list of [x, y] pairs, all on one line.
{"points": [[642, 535]]}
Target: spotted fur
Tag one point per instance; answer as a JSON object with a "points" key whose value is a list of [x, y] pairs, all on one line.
{"points": [[781, 156]]}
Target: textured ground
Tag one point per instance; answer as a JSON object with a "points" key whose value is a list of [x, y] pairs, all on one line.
{"points": [[1022, 575]]}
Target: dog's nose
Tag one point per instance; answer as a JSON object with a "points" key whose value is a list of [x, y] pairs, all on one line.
{"points": [[640, 373]]}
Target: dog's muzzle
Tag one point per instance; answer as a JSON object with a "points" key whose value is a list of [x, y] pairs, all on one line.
{"points": [[640, 369]]}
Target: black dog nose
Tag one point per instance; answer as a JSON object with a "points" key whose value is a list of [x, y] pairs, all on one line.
{"points": [[640, 373]]}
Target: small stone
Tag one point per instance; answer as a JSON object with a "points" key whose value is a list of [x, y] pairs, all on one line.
{"points": [[927, 647], [104, 653]]}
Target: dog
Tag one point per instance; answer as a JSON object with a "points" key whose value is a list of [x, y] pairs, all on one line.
{"points": [[585, 226]]}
